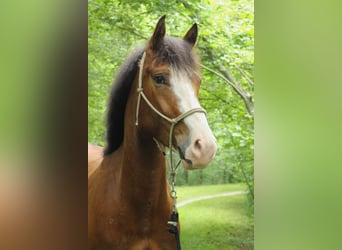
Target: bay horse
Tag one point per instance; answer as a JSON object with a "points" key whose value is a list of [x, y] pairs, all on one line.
{"points": [[153, 104]]}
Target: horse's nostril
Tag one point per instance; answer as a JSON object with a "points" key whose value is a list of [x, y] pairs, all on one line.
{"points": [[198, 144]]}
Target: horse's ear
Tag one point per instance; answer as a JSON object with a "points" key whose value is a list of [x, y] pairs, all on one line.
{"points": [[158, 34], [191, 35]]}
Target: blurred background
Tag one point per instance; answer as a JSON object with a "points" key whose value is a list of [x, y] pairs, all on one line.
{"points": [[43, 125]]}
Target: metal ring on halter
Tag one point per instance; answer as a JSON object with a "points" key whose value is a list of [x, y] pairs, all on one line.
{"points": [[173, 194]]}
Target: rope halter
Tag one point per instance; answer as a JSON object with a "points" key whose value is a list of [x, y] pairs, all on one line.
{"points": [[173, 121]]}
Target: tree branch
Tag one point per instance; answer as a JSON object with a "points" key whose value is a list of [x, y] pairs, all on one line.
{"points": [[251, 83], [247, 98], [229, 78]]}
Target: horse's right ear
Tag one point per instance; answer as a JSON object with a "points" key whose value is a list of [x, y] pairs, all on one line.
{"points": [[158, 35]]}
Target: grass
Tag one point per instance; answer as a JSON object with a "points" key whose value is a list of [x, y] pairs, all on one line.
{"points": [[219, 223]]}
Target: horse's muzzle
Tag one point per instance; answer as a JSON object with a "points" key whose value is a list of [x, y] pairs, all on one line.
{"points": [[198, 154]]}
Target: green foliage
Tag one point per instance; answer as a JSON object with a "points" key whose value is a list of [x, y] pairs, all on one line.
{"points": [[226, 41]]}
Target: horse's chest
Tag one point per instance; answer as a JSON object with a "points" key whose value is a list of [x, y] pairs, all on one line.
{"points": [[150, 244], [138, 243], [121, 233]]}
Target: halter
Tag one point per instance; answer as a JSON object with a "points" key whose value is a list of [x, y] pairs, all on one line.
{"points": [[174, 121]]}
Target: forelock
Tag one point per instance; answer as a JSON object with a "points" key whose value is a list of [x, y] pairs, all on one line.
{"points": [[179, 54]]}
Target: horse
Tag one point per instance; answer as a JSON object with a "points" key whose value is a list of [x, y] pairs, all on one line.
{"points": [[153, 105]]}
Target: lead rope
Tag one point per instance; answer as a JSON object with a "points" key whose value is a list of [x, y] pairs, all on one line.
{"points": [[174, 218]]}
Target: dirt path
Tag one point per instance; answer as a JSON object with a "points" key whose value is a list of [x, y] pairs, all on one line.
{"points": [[205, 197]]}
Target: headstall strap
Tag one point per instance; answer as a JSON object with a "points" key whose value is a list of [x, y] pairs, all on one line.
{"points": [[173, 222], [140, 89]]}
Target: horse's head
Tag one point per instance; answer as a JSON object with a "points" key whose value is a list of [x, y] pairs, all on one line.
{"points": [[171, 80]]}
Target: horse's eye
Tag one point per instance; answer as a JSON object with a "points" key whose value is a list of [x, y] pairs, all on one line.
{"points": [[160, 79]]}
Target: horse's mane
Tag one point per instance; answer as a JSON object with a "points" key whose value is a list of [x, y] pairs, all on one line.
{"points": [[176, 52], [118, 99]]}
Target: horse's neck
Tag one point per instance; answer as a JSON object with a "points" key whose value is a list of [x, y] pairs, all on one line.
{"points": [[143, 165], [143, 171]]}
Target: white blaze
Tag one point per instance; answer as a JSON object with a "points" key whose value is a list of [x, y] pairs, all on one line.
{"points": [[202, 147]]}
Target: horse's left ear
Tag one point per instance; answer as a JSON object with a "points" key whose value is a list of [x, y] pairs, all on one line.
{"points": [[158, 34], [191, 35]]}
